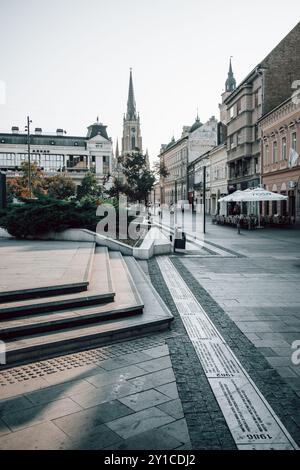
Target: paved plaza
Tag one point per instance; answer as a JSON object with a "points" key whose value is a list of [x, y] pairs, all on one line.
{"points": [[153, 392]]}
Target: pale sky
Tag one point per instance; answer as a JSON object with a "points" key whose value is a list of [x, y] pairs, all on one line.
{"points": [[65, 62]]}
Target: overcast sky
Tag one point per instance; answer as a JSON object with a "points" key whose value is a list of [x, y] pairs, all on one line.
{"points": [[65, 62]]}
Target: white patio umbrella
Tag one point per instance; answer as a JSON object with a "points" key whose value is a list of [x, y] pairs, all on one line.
{"points": [[254, 195], [261, 194], [234, 197]]}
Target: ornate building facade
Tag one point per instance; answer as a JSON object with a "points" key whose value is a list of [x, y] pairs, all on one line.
{"points": [[280, 150], [180, 155], [265, 87]]}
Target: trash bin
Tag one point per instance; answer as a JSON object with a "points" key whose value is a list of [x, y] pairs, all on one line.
{"points": [[180, 240]]}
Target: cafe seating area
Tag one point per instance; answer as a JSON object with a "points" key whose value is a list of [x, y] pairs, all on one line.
{"points": [[251, 221]]}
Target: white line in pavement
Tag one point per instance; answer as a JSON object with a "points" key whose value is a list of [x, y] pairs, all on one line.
{"points": [[251, 420]]}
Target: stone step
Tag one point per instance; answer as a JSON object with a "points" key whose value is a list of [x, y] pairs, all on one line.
{"points": [[131, 286], [70, 269], [126, 302], [100, 290]]}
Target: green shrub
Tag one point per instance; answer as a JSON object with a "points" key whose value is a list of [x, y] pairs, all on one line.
{"points": [[40, 216]]}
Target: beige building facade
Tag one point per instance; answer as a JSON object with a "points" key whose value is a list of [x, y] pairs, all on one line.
{"points": [[177, 156], [280, 131], [218, 178], [267, 86]]}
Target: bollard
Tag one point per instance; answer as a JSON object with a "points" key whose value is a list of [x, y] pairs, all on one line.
{"points": [[238, 225]]}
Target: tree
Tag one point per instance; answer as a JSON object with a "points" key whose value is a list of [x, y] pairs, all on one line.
{"points": [[89, 187], [118, 188], [139, 179], [19, 187], [160, 168], [61, 187]]}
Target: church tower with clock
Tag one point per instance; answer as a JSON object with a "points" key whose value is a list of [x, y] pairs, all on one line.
{"points": [[132, 139]]}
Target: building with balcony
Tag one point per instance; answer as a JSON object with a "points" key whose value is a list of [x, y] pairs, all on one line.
{"points": [[280, 150], [59, 153], [197, 193], [178, 155], [175, 158], [218, 177], [268, 85]]}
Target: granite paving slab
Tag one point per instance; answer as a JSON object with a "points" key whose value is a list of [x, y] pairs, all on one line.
{"points": [[137, 423], [35, 266]]}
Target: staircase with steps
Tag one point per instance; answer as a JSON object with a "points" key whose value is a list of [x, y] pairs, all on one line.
{"points": [[109, 300]]}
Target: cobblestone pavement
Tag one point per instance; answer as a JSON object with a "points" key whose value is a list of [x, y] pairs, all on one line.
{"points": [[151, 393]]}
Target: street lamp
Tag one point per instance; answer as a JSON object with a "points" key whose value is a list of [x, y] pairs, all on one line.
{"points": [[27, 128]]}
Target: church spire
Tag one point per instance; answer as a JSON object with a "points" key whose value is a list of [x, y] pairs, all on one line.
{"points": [[230, 84], [117, 150], [131, 109]]}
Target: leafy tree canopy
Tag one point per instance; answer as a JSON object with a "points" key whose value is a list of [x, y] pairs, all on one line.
{"points": [[139, 180], [89, 187]]}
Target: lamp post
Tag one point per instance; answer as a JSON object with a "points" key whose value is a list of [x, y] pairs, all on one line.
{"points": [[175, 213], [27, 128]]}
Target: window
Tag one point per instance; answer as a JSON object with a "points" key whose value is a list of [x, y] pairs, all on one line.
{"points": [[239, 106], [283, 148], [240, 137], [267, 154], [256, 99], [231, 142], [274, 159], [294, 140], [231, 112]]}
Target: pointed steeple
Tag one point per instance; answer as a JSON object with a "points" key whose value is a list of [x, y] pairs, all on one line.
{"points": [[117, 150], [131, 108], [230, 84]]}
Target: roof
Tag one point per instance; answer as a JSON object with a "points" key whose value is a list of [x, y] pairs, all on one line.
{"points": [[61, 140], [173, 143], [196, 125], [96, 129]]}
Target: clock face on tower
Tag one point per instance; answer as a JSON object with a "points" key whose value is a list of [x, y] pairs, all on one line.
{"points": [[133, 130]]}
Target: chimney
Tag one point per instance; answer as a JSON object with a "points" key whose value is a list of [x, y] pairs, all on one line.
{"points": [[59, 132], [38, 131], [15, 130]]}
